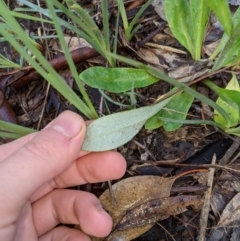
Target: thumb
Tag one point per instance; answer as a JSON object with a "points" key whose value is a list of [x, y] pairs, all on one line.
{"points": [[49, 153]]}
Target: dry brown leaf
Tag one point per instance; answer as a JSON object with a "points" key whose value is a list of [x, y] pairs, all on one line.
{"points": [[229, 217], [141, 201]]}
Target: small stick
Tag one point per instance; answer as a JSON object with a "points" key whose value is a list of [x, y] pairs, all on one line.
{"points": [[78, 55], [206, 205]]}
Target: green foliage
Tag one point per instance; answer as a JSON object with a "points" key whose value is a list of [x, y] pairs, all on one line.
{"points": [[6, 63], [129, 29], [231, 109], [176, 109], [9, 130], [225, 37], [222, 11], [44, 68], [117, 80], [187, 20], [229, 101], [112, 131]]}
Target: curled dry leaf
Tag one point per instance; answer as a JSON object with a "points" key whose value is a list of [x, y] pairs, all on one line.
{"points": [[142, 201]]}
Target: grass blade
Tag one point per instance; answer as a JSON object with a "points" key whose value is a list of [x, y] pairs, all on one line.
{"points": [[71, 64], [157, 73]]}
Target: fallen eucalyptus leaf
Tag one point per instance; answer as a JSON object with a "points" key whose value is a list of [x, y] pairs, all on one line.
{"points": [[117, 80], [112, 131]]}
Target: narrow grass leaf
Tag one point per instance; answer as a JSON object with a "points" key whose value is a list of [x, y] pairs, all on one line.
{"points": [[117, 80], [192, 122], [10, 135], [233, 131], [7, 63], [131, 31], [29, 17], [114, 130], [227, 95], [89, 26], [223, 13], [225, 37], [9, 127], [44, 69], [71, 64], [157, 73]]}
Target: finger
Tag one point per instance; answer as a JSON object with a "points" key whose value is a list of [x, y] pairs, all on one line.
{"points": [[92, 168], [8, 149], [45, 156], [64, 234], [71, 207]]}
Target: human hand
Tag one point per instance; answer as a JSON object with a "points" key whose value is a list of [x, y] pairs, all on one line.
{"points": [[33, 172]]}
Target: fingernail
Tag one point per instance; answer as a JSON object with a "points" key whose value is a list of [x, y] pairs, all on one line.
{"points": [[68, 128]]}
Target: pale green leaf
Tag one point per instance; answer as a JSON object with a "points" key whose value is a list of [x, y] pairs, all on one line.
{"points": [[117, 80], [233, 131], [114, 130], [232, 97], [231, 111]]}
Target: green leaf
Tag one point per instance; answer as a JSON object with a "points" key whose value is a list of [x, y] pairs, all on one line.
{"points": [[9, 127], [114, 130], [117, 80], [230, 52], [233, 112], [222, 11], [193, 122], [233, 131], [178, 16], [177, 109], [187, 20], [160, 75], [232, 97], [225, 37], [199, 17], [153, 122]]}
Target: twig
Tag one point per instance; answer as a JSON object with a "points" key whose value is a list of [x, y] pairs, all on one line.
{"points": [[78, 55], [206, 205]]}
